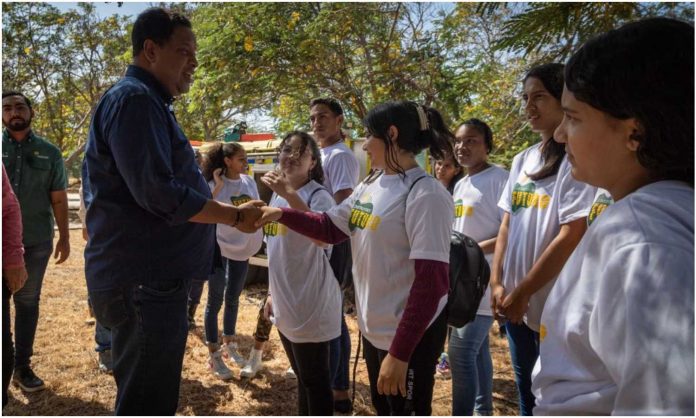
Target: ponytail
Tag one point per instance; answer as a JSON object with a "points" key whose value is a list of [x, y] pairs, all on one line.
{"points": [[419, 127]]}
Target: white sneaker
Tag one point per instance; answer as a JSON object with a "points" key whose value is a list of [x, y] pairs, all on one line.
{"points": [[230, 352], [218, 367], [290, 374], [253, 366]]}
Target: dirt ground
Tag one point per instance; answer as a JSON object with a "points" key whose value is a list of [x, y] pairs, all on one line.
{"points": [[64, 357]]}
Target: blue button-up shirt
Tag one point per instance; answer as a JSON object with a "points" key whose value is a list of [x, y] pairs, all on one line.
{"points": [[141, 185]]}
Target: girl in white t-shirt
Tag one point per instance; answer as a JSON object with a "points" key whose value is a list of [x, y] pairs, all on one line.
{"points": [[224, 168], [618, 327], [304, 297], [399, 221], [476, 214], [545, 211], [449, 172]]}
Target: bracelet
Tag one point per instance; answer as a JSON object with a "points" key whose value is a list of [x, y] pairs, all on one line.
{"points": [[236, 220]]}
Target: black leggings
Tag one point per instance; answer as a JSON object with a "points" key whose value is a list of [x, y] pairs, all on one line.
{"points": [[420, 376], [310, 361]]}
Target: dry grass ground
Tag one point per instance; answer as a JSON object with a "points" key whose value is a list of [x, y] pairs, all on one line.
{"points": [[65, 358]]}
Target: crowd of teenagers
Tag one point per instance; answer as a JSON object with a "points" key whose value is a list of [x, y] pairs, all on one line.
{"points": [[589, 237]]}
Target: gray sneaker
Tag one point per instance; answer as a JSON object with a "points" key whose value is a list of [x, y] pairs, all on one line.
{"points": [[218, 367], [106, 364], [253, 366]]}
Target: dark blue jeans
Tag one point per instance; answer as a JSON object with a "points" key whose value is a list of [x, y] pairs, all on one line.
{"points": [[339, 349], [228, 286], [148, 328], [524, 351], [26, 301]]}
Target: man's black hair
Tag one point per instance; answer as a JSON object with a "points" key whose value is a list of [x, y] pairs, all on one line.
{"points": [[156, 24], [328, 102], [16, 93]]}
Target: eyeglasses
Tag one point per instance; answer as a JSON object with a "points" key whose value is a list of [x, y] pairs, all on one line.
{"points": [[290, 151]]}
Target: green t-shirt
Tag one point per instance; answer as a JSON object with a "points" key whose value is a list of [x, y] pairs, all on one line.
{"points": [[35, 169]]}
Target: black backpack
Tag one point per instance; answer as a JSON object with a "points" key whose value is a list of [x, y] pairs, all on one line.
{"points": [[469, 274]]}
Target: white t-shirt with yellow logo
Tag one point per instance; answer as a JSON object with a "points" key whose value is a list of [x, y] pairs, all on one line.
{"points": [[537, 211], [234, 244], [476, 212], [306, 295], [618, 326], [387, 234], [602, 200]]}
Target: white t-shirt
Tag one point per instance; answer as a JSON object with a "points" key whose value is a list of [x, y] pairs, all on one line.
{"points": [[617, 334], [476, 212], [341, 168], [601, 201], [306, 295], [387, 234], [537, 211], [234, 244]]}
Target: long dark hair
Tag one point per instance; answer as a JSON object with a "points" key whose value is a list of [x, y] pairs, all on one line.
{"points": [[215, 157], [644, 70], [552, 152], [316, 173], [404, 115]]}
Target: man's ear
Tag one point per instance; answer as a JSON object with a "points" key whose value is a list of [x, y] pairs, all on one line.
{"points": [[149, 52]]}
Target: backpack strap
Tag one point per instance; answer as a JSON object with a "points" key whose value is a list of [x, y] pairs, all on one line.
{"points": [[413, 185], [311, 195]]}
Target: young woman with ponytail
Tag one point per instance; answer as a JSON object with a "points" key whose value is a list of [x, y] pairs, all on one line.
{"points": [[224, 168], [544, 219], [399, 221]]}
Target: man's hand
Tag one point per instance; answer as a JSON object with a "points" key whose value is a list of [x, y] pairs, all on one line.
{"points": [[85, 236], [250, 212], [392, 376], [62, 250], [15, 278]]}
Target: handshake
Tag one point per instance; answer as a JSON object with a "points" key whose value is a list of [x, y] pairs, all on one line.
{"points": [[253, 215]]}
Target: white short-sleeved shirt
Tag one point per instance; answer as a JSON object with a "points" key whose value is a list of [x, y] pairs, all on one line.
{"points": [[476, 212], [387, 234], [234, 244], [341, 168], [617, 333], [537, 211], [306, 294]]}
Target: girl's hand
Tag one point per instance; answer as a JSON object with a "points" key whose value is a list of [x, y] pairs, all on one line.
{"points": [[497, 297], [515, 305], [268, 308], [268, 214], [217, 176], [276, 182], [392, 376]]}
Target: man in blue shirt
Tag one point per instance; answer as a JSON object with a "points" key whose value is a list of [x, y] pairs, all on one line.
{"points": [[148, 210]]}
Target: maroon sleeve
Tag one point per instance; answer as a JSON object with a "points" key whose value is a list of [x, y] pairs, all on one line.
{"points": [[429, 286], [314, 225], [12, 248]]}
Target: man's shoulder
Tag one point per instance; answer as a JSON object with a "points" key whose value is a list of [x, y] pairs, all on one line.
{"points": [[127, 88]]}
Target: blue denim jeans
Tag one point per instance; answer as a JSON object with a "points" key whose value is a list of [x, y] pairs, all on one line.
{"points": [[149, 329], [102, 335], [229, 286], [524, 351], [26, 301], [339, 350], [472, 368]]}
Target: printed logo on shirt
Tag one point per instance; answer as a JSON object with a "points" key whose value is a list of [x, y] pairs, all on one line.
{"points": [[461, 210], [275, 229], [542, 332], [598, 207], [525, 196], [361, 216], [240, 200]]}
